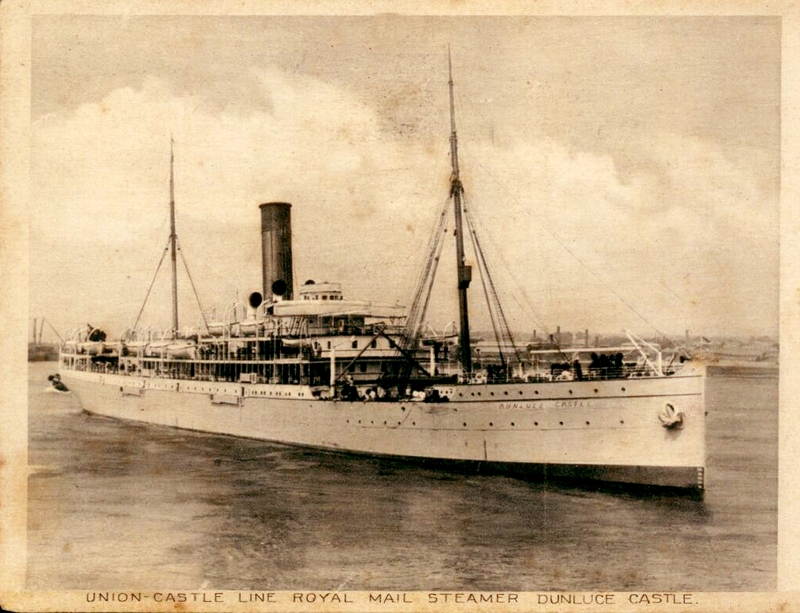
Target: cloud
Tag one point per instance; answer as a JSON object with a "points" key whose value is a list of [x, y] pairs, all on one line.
{"points": [[687, 237], [674, 234], [101, 174]]}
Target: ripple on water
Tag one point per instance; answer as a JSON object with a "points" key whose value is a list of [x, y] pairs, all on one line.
{"points": [[115, 505]]}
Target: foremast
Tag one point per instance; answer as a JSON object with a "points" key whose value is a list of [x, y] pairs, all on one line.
{"points": [[173, 239], [464, 271]]}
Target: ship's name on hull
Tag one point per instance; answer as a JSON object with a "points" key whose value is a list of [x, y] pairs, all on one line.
{"points": [[546, 404]]}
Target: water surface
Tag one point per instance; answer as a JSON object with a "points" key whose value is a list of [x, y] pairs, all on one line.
{"points": [[116, 505]]}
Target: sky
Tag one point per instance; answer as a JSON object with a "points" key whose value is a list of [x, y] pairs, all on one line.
{"points": [[623, 171]]}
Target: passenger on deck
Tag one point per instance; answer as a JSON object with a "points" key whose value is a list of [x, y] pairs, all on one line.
{"points": [[605, 363], [618, 368], [432, 395], [576, 367], [594, 367], [95, 334], [557, 369], [349, 390]]}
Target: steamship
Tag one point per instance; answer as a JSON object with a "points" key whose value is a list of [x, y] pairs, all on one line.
{"points": [[304, 365]]}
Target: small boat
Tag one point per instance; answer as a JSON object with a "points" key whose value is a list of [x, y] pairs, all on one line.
{"points": [[92, 347], [216, 328], [248, 327], [182, 350], [56, 385]]}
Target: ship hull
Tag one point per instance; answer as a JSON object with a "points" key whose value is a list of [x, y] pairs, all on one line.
{"points": [[603, 431]]}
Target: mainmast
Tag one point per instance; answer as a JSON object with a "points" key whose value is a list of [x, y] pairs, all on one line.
{"points": [[464, 271], [173, 239]]}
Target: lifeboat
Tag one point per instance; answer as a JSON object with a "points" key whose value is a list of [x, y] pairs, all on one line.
{"points": [[182, 350], [91, 347], [216, 328], [248, 327]]}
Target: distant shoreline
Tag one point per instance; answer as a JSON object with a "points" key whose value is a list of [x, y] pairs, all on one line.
{"points": [[743, 370]]}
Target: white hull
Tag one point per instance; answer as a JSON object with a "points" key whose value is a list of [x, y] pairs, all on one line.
{"points": [[604, 430]]}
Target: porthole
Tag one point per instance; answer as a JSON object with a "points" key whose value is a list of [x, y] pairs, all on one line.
{"points": [[622, 421], [623, 389], [491, 424], [520, 392], [384, 423], [587, 423], [512, 423], [402, 408], [570, 391], [491, 393], [561, 423], [506, 392], [398, 423], [536, 423], [371, 422], [465, 424], [413, 423], [536, 392], [595, 390], [359, 421]]}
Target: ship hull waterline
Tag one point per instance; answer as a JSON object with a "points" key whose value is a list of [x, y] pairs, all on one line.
{"points": [[608, 431]]}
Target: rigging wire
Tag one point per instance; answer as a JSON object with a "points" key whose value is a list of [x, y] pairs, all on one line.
{"points": [[490, 288], [443, 230], [423, 288], [606, 283], [194, 289], [595, 274], [149, 289], [492, 315], [497, 254], [44, 319], [425, 278], [528, 306]]}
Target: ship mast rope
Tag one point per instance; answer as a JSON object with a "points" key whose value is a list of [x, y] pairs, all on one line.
{"points": [[194, 289], [425, 279], [41, 330], [502, 331], [409, 357], [155, 276], [427, 276], [588, 268], [174, 248], [591, 271]]}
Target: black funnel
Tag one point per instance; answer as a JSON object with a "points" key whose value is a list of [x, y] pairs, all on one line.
{"points": [[276, 248]]}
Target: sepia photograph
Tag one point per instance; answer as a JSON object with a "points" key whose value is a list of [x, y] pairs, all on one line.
{"points": [[386, 311]]}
